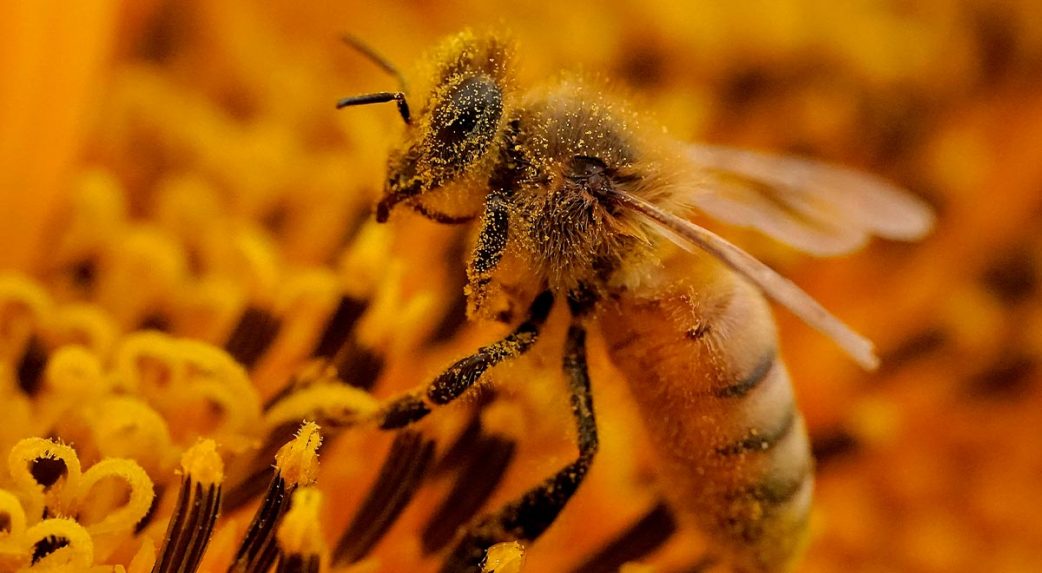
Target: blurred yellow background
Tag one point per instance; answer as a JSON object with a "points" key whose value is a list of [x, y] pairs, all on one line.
{"points": [[194, 112]]}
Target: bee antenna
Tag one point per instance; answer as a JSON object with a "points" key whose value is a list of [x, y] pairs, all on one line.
{"points": [[379, 97], [373, 56]]}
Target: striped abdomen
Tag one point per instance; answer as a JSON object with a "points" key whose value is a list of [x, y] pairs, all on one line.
{"points": [[701, 358]]}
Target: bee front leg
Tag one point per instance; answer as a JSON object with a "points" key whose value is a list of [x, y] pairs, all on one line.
{"points": [[530, 515], [492, 240], [462, 375]]}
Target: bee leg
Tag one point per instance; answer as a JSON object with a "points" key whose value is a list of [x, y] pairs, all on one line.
{"points": [[492, 239], [530, 515], [459, 377]]}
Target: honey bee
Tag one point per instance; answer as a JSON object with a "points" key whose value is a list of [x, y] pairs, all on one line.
{"points": [[578, 199]]}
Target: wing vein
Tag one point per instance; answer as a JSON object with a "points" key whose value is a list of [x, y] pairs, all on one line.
{"points": [[775, 286], [817, 207]]}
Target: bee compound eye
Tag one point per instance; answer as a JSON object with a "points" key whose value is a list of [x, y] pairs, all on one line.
{"points": [[469, 113]]}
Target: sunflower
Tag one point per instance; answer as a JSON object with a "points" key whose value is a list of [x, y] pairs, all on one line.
{"points": [[196, 305]]}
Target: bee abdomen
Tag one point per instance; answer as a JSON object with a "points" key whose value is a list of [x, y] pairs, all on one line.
{"points": [[717, 401], [759, 441], [749, 382], [763, 468]]}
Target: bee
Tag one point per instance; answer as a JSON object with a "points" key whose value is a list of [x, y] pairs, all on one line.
{"points": [[577, 198]]}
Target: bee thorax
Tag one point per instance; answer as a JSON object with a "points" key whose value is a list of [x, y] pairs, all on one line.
{"points": [[573, 230]]}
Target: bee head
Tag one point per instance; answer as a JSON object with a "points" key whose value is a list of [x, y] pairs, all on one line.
{"points": [[454, 133]]}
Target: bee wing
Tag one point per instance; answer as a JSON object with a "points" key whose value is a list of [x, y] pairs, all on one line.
{"points": [[819, 208], [783, 291]]}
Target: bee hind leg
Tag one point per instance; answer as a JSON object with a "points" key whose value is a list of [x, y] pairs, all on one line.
{"points": [[530, 515]]}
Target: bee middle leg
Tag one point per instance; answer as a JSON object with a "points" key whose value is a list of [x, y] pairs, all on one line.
{"points": [[529, 516], [411, 454]]}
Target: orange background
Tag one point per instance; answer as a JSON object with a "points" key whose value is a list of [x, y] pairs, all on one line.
{"points": [[930, 464]]}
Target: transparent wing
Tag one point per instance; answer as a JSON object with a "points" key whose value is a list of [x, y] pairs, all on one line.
{"points": [[783, 291], [819, 208]]}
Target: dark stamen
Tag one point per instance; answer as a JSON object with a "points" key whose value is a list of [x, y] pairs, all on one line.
{"points": [[248, 482], [296, 465], [643, 537], [31, 366], [477, 481], [258, 550], [340, 326], [47, 471], [151, 513], [298, 564], [46, 546], [399, 478], [253, 335], [195, 513]]}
